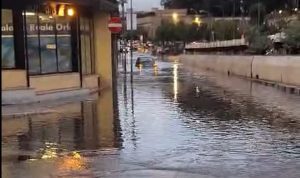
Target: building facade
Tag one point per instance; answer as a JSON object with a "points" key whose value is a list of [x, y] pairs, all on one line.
{"points": [[150, 21], [56, 45]]}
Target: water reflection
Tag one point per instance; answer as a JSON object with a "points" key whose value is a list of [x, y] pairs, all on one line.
{"points": [[218, 127], [175, 79], [75, 126]]}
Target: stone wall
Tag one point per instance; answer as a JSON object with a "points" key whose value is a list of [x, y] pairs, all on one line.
{"points": [[280, 69]]}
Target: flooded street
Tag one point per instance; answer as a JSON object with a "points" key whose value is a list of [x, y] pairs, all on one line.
{"points": [[169, 123]]}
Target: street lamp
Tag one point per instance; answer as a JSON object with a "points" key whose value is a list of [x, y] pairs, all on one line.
{"points": [[197, 21], [280, 11], [175, 17]]}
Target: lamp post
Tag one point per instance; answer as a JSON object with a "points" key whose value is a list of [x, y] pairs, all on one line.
{"points": [[243, 18], [123, 33], [131, 45]]}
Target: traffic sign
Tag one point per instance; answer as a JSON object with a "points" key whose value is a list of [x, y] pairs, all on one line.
{"points": [[115, 25]]}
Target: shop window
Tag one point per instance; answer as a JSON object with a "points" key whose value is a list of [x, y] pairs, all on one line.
{"points": [[86, 45], [49, 47], [7, 37], [64, 47], [33, 43]]}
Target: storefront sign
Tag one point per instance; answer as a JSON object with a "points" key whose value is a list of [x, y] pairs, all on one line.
{"points": [[7, 29], [45, 28], [48, 28]]}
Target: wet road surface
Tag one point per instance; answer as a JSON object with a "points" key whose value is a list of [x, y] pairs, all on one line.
{"points": [[169, 123]]}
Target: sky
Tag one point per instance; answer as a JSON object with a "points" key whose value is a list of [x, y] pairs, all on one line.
{"points": [[139, 5]]}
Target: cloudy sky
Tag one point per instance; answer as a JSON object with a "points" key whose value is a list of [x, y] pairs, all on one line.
{"points": [[144, 4]]}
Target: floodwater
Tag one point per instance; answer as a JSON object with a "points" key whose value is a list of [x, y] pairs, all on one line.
{"points": [[170, 122]]}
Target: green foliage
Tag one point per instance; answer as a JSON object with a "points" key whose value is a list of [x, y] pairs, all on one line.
{"points": [[135, 34], [257, 13], [258, 40], [230, 7], [226, 30], [292, 32]]}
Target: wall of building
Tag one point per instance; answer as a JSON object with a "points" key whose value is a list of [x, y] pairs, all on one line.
{"points": [[90, 81], [103, 49], [105, 115], [281, 69], [54, 82], [96, 54], [13, 79]]}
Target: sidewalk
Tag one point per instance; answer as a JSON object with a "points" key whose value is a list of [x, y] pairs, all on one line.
{"points": [[43, 107]]}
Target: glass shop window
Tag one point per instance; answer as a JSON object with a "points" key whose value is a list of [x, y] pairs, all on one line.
{"points": [[49, 47], [7, 37]]}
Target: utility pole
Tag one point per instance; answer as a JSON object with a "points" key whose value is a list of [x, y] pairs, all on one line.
{"points": [[123, 36], [258, 13], [131, 39], [233, 16], [243, 18]]}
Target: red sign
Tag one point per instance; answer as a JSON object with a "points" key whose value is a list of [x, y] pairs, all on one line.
{"points": [[115, 25]]}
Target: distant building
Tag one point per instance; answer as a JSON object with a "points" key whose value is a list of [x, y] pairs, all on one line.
{"points": [[151, 20]]}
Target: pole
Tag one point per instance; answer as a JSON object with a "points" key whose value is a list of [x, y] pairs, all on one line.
{"points": [[123, 38], [131, 39], [243, 19], [258, 13], [233, 16]]}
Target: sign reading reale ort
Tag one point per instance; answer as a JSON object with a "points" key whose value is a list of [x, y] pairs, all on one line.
{"points": [[44, 28]]}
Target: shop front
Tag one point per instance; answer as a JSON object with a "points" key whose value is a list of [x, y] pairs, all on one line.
{"points": [[50, 46]]}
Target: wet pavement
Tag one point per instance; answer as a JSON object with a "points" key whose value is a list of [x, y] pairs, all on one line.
{"points": [[169, 123]]}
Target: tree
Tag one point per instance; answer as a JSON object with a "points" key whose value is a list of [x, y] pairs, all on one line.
{"points": [[257, 13], [226, 30], [180, 32], [292, 40], [165, 32], [230, 7], [258, 40]]}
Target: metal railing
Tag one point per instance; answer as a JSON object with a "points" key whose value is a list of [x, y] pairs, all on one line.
{"points": [[217, 44]]}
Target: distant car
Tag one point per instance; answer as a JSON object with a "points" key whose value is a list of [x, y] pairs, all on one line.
{"points": [[145, 62]]}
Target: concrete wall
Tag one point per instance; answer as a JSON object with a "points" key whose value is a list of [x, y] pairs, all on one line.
{"points": [[238, 65], [281, 69], [284, 69], [13, 79], [103, 49], [54, 82]]}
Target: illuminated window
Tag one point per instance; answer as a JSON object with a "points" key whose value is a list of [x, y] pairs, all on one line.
{"points": [[49, 46], [7, 37]]}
